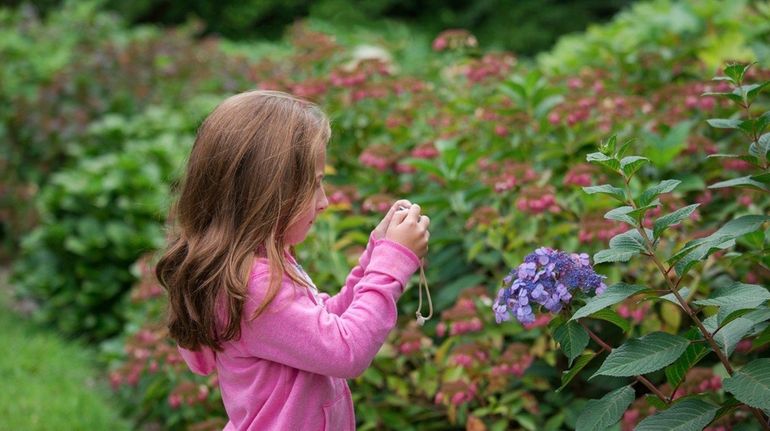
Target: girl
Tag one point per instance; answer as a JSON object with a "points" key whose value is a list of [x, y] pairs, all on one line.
{"points": [[240, 304]]}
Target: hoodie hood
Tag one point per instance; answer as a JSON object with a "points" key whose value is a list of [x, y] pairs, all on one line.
{"points": [[202, 361]]}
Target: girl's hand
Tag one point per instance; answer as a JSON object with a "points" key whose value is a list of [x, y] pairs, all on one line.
{"points": [[410, 229], [379, 231]]}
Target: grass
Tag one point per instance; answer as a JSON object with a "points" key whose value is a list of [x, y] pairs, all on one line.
{"points": [[48, 383]]}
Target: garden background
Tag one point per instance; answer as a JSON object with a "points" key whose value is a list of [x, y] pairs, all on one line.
{"points": [[489, 125]]}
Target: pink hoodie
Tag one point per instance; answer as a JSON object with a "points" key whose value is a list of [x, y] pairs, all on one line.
{"points": [[288, 369]]}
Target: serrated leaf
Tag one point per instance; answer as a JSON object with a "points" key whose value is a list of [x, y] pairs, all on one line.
{"points": [[751, 384], [746, 181], [754, 89], [604, 160], [607, 189], [670, 297], [671, 219], [691, 414], [664, 186], [606, 411], [613, 255], [630, 240], [676, 372], [643, 355], [732, 96], [580, 363], [724, 237], [611, 296], [728, 336], [631, 164], [724, 123], [608, 315], [760, 149], [735, 72], [609, 146], [572, 338], [737, 296], [621, 214]]}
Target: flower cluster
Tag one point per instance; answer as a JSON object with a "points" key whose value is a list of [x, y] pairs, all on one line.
{"points": [[463, 317], [454, 39], [456, 393], [594, 227], [546, 277], [537, 200]]}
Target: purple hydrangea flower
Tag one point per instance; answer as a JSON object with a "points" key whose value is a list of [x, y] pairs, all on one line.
{"points": [[546, 277]]}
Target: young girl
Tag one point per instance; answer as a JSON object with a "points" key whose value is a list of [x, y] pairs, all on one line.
{"points": [[240, 304]]}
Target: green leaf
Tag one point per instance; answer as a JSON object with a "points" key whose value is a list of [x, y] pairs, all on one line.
{"points": [[611, 296], [621, 214], [754, 89], [738, 296], [611, 316], [763, 178], [760, 149], [606, 411], [746, 181], [631, 164], [610, 255], [732, 96], [735, 72], [724, 237], [609, 146], [643, 355], [663, 149], [664, 186], [623, 246], [676, 372], [691, 414], [580, 363], [572, 338], [609, 162], [613, 191], [728, 336], [751, 384], [762, 339], [673, 218], [670, 297], [724, 123], [630, 240]]}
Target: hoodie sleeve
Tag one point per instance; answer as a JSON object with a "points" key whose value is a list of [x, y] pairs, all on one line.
{"points": [[338, 303], [201, 361], [295, 331]]}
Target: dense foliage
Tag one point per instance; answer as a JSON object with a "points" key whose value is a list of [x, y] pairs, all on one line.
{"points": [[495, 149]]}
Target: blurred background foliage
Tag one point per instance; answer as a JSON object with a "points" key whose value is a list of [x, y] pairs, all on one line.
{"points": [[538, 22]]}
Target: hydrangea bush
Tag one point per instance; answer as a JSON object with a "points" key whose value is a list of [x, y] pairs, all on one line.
{"points": [[547, 276]]}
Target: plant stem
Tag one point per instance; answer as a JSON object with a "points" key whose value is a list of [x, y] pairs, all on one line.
{"points": [[673, 288], [641, 379]]}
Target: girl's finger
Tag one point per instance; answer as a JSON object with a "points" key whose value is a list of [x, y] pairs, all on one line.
{"points": [[424, 221], [397, 218], [414, 213]]}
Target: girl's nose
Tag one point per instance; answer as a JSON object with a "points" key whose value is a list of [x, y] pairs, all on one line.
{"points": [[322, 204]]}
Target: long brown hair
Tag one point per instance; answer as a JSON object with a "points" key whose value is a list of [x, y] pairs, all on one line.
{"points": [[250, 174]]}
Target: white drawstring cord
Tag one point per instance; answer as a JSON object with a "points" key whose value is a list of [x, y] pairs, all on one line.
{"points": [[423, 282]]}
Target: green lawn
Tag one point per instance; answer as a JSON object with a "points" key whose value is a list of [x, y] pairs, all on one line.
{"points": [[47, 383]]}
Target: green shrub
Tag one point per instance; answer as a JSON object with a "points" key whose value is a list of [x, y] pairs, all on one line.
{"points": [[100, 215]]}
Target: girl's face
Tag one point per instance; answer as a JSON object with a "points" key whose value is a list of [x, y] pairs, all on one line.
{"points": [[297, 231]]}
